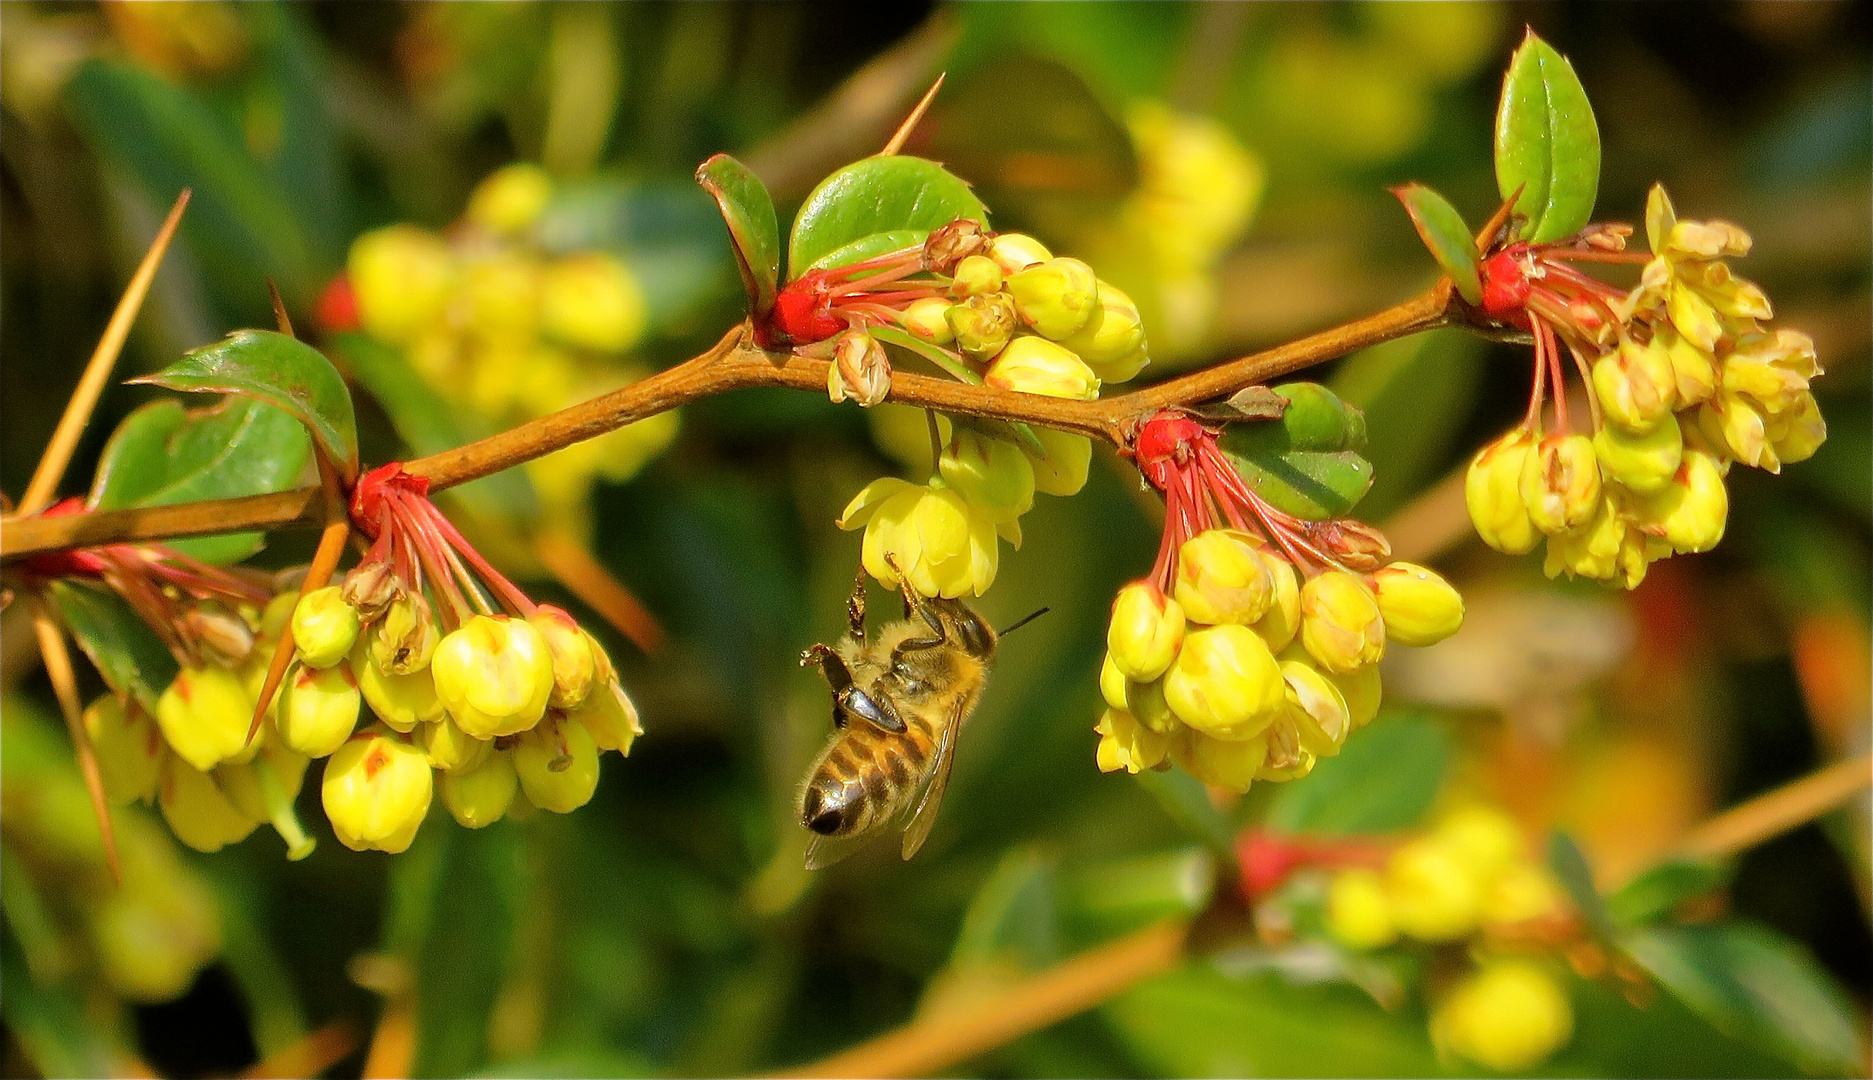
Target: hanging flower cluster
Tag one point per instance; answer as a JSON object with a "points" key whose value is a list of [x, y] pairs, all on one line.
{"points": [[988, 308], [1683, 379], [1252, 648], [497, 321]]}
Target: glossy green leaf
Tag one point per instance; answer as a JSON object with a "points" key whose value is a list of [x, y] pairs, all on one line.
{"points": [[877, 195], [1308, 463], [1111, 897], [1187, 802], [1384, 779], [1757, 986], [281, 371], [870, 247], [1416, 394], [1570, 868], [133, 661], [1547, 143], [1651, 896], [1448, 238], [753, 230], [1013, 915], [164, 453]]}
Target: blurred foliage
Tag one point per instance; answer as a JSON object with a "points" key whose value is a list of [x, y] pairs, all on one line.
{"points": [[1226, 164]]}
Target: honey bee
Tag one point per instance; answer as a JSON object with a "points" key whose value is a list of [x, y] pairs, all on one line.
{"points": [[897, 704]]}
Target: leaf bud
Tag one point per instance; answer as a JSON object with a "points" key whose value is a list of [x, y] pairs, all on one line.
{"points": [[1316, 707], [377, 789], [1015, 252], [405, 639], [1434, 895], [1690, 512], [1225, 683], [1222, 578], [1510, 1015], [317, 708], [1354, 544], [558, 766], [1113, 340], [949, 244], [574, 667], [1035, 365], [1146, 631], [1124, 743], [1341, 626], [928, 319], [400, 701], [860, 370], [1635, 385], [1561, 483], [510, 199], [197, 810], [1419, 607], [204, 715], [1056, 297], [976, 275], [1492, 489], [1643, 463], [447, 748], [982, 324], [592, 300], [370, 587], [1358, 914], [1231, 764], [129, 748], [324, 627], [1062, 470], [480, 795], [494, 675], [992, 475]]}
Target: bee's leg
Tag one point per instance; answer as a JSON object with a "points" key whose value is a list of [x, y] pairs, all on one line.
{"points": [[855, 609], [916, 605], [838, 676], [875, 709]]}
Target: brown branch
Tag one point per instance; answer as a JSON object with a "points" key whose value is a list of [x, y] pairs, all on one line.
{"points": [[1775, 812], [735, 363]]}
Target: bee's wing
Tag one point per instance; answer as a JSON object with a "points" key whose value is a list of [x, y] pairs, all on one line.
{"points": [[925, 815], [823, 851]]}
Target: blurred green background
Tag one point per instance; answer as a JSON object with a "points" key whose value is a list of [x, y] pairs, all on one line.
{"points": [[667, 928]]}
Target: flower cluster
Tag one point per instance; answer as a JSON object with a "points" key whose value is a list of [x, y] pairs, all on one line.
{"points": [[498, 321], [1683, 379], [500, 703], [1252, 649], [988, 308]]}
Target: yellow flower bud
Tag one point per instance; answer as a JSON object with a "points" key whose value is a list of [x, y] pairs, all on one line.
{"points": [[1114, 687], [278, 614], [317, 708], [204, 716], [1694, 373], [1643, 463], [1592, 550], [324, 627], [1124, 743], [1358, 914], [1034, 365], [1341, 626], [129, 749], [1015, 252], [928, 319], [1222, 578], [1360, 690], [1225, 683], [377, 790], [1635, 385], [481, 795], [1287, 759], [403, 278], [511, 199], [1062, 471], [558, 766], [197, 810], [992, 475], [1799, 432], [1493, 491], [264, 789], [1112, 342], [448, 747], [1434, 893], [404, 640], [1734, 425], [400, 701], [1690, 512], [1146, 702], [1561, 483], [1510, 1016], [501, 294], [574, 667], [941, 545], [1317, 709], [976, 275], [1283, 620], [494, 675], [609, 715], [1056, 297], [1146, 630], [1419, 607], [1225, 763], [981, 325]]}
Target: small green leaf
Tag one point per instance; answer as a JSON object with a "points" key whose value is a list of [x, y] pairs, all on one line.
{"points": [[1012, 915], [1187, 802], [164, 453], [1652, 895], [281, 371], [1444, 233], [877, 195], [1385, 779], [1547, 143], [1758, 986], [1309, 462], [1416, 394], [126, 652], [1571, 869], [753, 230]]}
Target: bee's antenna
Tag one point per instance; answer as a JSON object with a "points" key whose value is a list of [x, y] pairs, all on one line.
{"points": [[1019, 623]]}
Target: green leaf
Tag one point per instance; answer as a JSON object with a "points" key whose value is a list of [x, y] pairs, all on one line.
{"points": [[1547, 143], [1757, 986], [1444, 233], [1652, 895], [1187, 802], [753, 230], [1416, 394], [56, 1032], [1309, 462], [281, 371], [1384, 779], [1570, 868], [1013, 915], [133, 661], [870, 247], [164, 453], [877, 195]]}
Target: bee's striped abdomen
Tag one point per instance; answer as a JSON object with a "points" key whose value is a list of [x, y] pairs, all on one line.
{"points": [[865, 778]]}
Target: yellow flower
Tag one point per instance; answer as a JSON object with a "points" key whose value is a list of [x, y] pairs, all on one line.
{"points": [[928, 532]]}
